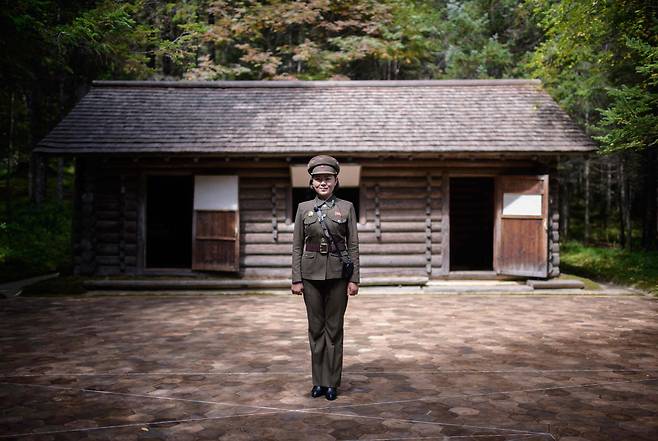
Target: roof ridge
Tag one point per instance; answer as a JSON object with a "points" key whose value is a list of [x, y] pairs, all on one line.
{"points": [[309, 84]]}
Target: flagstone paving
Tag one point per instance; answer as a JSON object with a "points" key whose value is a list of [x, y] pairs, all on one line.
{"points": [[426, 367]]}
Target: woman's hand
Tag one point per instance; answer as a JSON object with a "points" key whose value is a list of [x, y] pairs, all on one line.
{"points": [[352, 289], [298, 288]]}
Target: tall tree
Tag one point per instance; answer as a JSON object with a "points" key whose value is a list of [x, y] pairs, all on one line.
{"points": [[599, 60]]}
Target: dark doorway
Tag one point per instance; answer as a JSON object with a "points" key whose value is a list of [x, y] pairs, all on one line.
{"points": [[471, 223], [169, 205]]}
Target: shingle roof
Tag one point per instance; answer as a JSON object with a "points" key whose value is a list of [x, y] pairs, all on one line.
{"points": [[301, 117]]}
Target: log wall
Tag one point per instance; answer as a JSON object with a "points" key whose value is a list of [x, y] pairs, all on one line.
{"points": [[106, 218], [403, 215]]}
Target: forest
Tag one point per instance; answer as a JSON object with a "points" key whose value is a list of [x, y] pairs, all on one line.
{"points": [[597, 58]]}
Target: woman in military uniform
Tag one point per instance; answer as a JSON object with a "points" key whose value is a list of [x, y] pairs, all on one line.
{"points": [[325, 242]]}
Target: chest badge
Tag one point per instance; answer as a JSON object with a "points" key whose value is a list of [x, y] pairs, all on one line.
{"points": [[337, 213], [309, 213]]}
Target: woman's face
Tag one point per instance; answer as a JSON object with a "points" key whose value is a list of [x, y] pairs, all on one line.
{"points": [[324, 185]]}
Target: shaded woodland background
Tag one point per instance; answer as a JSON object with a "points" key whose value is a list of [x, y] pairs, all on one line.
{"points": [[598, 59]]}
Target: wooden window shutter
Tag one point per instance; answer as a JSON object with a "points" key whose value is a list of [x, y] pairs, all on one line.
{"points": [[216, 224], [521, 237]]}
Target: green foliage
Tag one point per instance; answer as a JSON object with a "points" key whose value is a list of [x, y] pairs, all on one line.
{"points": [[37, 240], [472, 52], [637, 268], [594, 53], [631, 120]]}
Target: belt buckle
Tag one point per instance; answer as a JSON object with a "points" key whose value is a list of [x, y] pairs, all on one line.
{"points": [[324, 247]]}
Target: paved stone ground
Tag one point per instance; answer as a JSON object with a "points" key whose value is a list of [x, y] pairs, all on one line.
{"points": [[422, 367]]}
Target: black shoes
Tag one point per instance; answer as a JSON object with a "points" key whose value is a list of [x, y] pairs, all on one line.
{"points": [[329, 392], [332, 393], [318, 391]]}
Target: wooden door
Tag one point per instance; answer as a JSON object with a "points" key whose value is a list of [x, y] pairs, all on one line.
{"points": [[216, 224], [521, 237]]}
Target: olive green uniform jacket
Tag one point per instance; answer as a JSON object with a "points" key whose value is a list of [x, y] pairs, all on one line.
{"points": [[341, 222]]}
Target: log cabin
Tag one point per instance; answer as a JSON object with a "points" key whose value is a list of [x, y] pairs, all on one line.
{"points": [[449, 178]]}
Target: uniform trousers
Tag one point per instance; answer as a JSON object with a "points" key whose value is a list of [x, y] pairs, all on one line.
{"points": [[326, 302]]}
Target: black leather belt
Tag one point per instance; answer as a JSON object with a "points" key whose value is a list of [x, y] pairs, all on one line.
{"points": [[317, 248]]}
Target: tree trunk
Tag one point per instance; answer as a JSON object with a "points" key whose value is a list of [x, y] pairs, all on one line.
{"points": [[608, 198], [10, 152], [649, 184], [564, 205], [587, 198], [212, 51], [625, 233], [60, 179]]}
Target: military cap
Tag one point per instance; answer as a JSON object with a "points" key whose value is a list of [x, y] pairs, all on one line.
{"points": [[323, 164]]}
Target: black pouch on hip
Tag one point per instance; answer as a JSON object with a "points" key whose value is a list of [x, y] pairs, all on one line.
{"points": [[348, 269]]}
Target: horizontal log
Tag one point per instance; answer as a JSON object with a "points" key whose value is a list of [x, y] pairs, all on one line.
{"points": [[265, 238], [260, 204], [396, 214], [403, 203], [393, 272], [393, 226], [266, 261], [407, 204], [369, 182], [111, 270], [392, 248], [365, 237], [408, 193], [114, 260], [261, 193], [111, 249], [435, 166], [105, 225], [389, 172], [366, 261], [107, 205], [219, 164], [262, 215], [403, 216], [437, 247], [391, 260], [364, 249], [110, 237], [285, 273], [265, 226], [116, 215], [105, 270], [263, 185], [266, 273]]}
